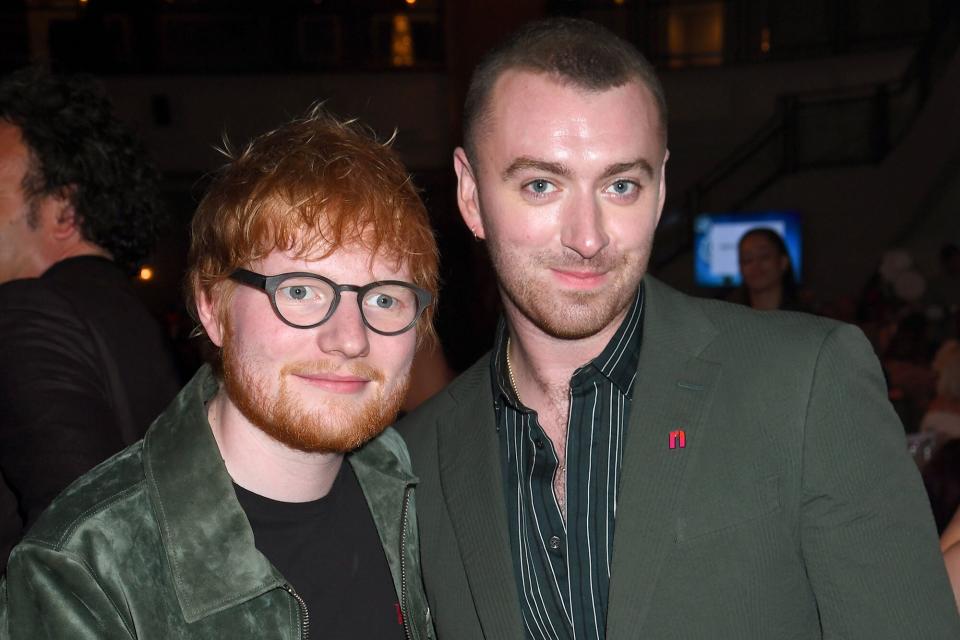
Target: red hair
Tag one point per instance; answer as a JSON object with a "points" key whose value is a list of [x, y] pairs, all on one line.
{"points": [[310, 187]]}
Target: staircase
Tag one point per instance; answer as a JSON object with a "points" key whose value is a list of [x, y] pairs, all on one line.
{"points": [[858, 163]]}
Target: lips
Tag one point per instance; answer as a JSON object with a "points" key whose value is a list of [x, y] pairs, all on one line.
{"points": [[334, 382], [579, 278]]}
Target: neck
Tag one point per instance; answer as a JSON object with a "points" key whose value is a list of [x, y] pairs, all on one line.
{"points": [[260, 464], [766, 300], [79, 248], [542, 364]]}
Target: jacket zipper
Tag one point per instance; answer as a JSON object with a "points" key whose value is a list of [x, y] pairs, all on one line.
{"points": [[403, 565], [304, 614]]}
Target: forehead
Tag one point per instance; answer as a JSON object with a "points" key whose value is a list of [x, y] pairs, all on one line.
{"points": [[537, 115], [756, 241], [349, 264]]}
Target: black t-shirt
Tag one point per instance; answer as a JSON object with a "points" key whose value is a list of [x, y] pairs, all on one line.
{"points": [[330, 552]]}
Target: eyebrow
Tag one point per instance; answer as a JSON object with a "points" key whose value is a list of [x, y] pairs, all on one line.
{"points": [[622, 167], [526, 162], [559, 169]]}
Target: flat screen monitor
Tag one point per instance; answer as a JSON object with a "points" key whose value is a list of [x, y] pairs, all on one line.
{"points": [[715, 238]]}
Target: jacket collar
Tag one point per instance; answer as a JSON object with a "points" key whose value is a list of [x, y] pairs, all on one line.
{"points": [[472, 485], [206, 535]]}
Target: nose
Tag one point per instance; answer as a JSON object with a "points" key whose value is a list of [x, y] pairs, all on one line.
{"points": [[583, 227], [344, 333]]}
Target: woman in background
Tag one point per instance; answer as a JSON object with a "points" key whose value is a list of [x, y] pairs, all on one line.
{"points": [[766, 271]]}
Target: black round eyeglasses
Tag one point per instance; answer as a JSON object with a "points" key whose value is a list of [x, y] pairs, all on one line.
{"points": [[306, 300]]}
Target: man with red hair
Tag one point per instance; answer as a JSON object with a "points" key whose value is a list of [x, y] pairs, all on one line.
{"points": [[312, 272]]}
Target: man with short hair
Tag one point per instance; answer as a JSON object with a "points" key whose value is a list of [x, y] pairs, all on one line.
{"points": [[84, 366], [312, 271], [629, 462]]}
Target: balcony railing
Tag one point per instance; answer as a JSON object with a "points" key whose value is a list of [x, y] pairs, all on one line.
{"points": [[210, 36]]}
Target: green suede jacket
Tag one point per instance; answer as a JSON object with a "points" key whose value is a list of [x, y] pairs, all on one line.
{"points": [[153, 544]]}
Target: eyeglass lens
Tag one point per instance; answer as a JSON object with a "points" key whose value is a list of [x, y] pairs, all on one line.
{"points": [[305, 301]]}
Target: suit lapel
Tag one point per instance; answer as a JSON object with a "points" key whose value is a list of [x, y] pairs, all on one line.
{"points": [[470, 475], [671, 391]]}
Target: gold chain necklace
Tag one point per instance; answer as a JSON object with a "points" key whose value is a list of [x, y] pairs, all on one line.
{"points": [[513, 381]]}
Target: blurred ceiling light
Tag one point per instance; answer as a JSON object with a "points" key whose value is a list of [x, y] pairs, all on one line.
{"points": [[411, 2], [146, 273], [695, 33], [401, 42]]}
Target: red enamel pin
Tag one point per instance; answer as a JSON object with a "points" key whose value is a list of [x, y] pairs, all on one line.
{"points": [[678, 439]]}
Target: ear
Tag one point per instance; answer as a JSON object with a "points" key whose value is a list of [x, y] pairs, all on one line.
{"points": [[209, 312], [468, 197], [662, 187], [58, 215]]}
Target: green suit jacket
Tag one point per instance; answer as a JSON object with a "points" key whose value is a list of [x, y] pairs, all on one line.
{"points": [[793, 511]]}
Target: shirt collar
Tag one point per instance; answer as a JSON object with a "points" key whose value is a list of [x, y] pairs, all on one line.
{"points": [[617, 362], [619, 359]]}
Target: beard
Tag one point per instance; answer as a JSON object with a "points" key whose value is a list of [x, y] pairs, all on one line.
{"points": [[336, 427], [565, 314]]}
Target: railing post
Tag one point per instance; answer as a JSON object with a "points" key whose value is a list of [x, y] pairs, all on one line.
{"points": [[881, 122], [789, 106]]}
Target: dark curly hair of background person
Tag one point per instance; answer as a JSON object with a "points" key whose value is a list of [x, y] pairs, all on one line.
{"points": [[77, 143]]}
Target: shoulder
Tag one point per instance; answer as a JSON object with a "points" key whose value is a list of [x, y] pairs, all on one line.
{"points": [[420, 424], [769, 325], [798, 343], [34, 309], [767, 341], [89, 505], [33, 295], [777, 330], [70, 286]]}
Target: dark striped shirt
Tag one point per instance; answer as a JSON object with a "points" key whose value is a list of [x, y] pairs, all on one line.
{"points": [[562, 568]]}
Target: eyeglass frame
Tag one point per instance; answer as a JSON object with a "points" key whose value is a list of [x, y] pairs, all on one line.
{"points": [[270, 284]]}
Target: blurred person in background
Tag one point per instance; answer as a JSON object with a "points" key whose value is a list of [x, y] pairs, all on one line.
{"points": [[944, 288], [428, 376], [906, 363], [941, 479], [84, 367], [943, 413], [767, 272], [950, 544]]}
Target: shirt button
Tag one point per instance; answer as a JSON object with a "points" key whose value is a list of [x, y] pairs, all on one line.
{"points": [[539, 443], [554, 543]]}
